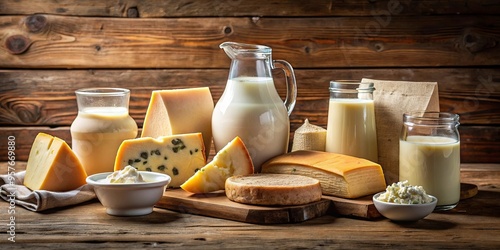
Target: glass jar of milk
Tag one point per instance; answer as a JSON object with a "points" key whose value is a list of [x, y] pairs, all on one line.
{"points": [[351, 126], [429, 155], [102, 123]]}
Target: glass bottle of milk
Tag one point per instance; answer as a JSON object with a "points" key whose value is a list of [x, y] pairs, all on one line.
{"points": [[102, 123], [429, 155], [351, 126], [250, 106]]}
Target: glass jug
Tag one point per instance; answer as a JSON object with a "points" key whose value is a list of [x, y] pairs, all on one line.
{"points": [[250, 106], [102, 123]]}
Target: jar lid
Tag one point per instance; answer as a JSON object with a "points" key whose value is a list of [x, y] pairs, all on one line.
{"points": [[431, 118], [351, 86]]}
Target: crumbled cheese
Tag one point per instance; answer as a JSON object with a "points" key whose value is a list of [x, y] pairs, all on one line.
{"points": [[128, 175], [403, 193]]}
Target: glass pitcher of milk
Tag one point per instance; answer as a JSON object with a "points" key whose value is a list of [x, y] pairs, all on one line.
{"points": [[351, 126], [102, 123], [250, 106]]}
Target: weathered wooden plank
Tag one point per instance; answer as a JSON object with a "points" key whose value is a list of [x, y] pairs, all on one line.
{"points": [[46, 97], [217, 8], [49, 41]]}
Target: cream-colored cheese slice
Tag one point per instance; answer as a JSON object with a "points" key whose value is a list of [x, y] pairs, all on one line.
{"points": [[180, 111]]}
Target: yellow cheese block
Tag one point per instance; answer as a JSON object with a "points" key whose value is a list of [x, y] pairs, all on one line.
{"points": [[180, 111], [179, 156], [53, 166], [339, 175], [233, 159]]}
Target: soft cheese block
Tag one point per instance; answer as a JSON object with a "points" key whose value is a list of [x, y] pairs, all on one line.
{"points": [[233, 159], [53, 166], [273, 189], [340, 175], [180, 111], [178, 156]]}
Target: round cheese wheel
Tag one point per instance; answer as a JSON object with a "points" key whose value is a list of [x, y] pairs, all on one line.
{"points": [[273, 189]]}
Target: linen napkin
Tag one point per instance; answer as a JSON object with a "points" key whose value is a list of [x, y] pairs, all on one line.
{"points": [[393, 99], [13, 190]]}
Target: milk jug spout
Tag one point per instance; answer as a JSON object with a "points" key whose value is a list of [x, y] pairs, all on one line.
{"points": [[250, 106]]}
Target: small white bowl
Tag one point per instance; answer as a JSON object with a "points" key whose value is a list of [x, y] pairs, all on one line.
{"points": [[404, 212], [130, 199]]}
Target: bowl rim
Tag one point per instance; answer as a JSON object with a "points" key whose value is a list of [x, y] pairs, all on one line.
{"points": [[375, 200], [164, 179]]}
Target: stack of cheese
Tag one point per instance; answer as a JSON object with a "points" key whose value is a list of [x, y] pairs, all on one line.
{"points": [[176, 139]]}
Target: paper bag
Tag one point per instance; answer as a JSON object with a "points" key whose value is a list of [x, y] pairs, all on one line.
{"points": [[393, 99]]}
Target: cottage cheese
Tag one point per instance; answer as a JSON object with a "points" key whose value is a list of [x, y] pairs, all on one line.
{"points": [[403, 193], [127, 175]]}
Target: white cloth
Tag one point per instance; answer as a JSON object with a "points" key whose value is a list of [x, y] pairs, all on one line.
{"points": [[12, 190]]}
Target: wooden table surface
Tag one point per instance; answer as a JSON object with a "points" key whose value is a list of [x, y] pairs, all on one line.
{"points": [[473, 224]]}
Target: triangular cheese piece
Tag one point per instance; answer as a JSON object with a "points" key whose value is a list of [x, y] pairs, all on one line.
{"points": [[53, 166], [231, 160]]}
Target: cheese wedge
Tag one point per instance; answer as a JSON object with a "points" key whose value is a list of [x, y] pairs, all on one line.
{"points": [[339, 175], [180, 111], [273, 189], [179, 156], [233, 159], [53, 166], [309, 137]]}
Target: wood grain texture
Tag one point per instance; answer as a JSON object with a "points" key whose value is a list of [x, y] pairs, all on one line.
{"points": [[216, 8], [46, 97], [400, 41]]}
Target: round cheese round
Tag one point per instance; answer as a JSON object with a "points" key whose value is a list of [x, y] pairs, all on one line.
{"points": [[273, 189]]}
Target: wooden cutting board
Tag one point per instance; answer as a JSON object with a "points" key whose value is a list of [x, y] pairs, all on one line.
{"points": [[219, 206]]}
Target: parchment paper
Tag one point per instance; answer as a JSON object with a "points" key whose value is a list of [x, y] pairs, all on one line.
{"points": [[393, 99]]}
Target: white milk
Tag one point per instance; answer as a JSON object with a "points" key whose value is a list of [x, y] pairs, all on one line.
{"points": [[97, 134], [351, 128], [434, 163], [252, 109]]}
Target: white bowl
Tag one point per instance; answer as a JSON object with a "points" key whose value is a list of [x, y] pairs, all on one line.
{"points": [[404, 212], [130, 199]]}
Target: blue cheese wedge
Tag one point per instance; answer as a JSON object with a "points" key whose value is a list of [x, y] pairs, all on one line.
{"points": [[178, 156]]}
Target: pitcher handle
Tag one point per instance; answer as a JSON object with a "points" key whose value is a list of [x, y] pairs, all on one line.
{"points": [[291, 84]]}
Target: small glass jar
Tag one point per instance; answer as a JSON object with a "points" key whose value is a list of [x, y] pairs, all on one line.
{"points": [[102, 123], [429, 155], [351, 127]]}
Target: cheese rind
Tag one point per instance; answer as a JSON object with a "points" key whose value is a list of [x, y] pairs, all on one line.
{"points": [[180, 111], [339, 175], [53, 166], [233, 159], [179, 156], [273, 189]]}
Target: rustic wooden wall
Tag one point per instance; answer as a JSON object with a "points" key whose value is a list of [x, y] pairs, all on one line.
{"points": [[50, 48]]}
